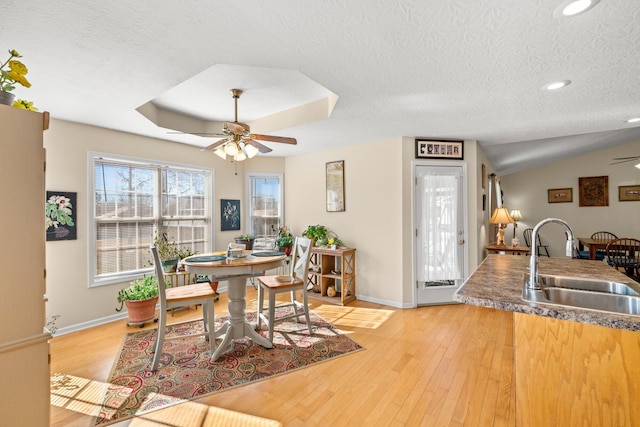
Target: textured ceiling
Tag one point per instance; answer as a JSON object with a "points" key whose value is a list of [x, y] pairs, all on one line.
{"points": [[440, 68]]}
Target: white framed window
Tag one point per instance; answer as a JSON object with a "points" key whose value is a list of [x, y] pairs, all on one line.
{"points": [[131, 201], [265, 207]]}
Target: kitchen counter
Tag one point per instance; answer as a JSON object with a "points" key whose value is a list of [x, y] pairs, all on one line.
{"points": [[572, 366], [498, 281]]}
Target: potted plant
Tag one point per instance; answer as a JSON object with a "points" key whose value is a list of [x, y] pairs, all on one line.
{"points": [[168, 252], [284, 242], [140, 299], [247, 240], [13, 71], [322, 236]]}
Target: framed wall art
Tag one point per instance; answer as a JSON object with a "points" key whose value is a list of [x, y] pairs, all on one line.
{"points": [[427, 149], [594, 191], [560, 195], [335, 186], [60, 216], [629, 193], [229, 214]]}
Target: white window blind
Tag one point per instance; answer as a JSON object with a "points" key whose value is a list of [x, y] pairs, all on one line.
{"points": [[132, 201]]}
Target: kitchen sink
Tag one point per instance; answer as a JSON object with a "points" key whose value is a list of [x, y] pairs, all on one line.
{"points": [[591, 294]]}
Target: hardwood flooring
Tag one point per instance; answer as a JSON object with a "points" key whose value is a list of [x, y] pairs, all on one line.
{"points": [[449, 365]]}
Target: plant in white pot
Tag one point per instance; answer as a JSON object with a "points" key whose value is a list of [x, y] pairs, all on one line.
{"points": [[168, 251], [140, 299]]}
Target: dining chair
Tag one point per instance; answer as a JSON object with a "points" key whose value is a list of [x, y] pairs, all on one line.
{"points": [[602, 235], [539, 247], [624, 253], [293, 282], [198, 293]]}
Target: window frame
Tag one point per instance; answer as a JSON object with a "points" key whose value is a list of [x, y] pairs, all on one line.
{"points": [[92, 156], [249, 192]]}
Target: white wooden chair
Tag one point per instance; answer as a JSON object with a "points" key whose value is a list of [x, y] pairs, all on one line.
{"points": [[296, 280], [198, 293]]}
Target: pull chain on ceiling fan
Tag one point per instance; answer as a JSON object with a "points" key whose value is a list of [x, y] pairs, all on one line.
{"points": [[238, 141]]}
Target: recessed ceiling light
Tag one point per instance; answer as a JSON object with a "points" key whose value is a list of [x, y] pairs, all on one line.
{"points": [[556, 85], [634, 120], [573, 7]]}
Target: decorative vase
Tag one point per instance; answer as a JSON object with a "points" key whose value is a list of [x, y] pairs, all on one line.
{"points": [[331, 291], [6, 98]]}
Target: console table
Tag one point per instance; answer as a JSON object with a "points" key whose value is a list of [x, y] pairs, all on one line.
{"points": [[503, 249], [333, 268]]}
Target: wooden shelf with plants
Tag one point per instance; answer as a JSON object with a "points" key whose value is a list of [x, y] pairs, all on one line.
{"points": [[332, 270]]}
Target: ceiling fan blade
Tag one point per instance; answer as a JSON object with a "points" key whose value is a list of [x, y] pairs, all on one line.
{"points": [[625, 158], [260, 147], [203, 134], [273, 138], [215, 144]]}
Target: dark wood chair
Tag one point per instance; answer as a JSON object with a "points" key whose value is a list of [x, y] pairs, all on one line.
{"points": [[602, 235], [624, 254], [539, 247]]}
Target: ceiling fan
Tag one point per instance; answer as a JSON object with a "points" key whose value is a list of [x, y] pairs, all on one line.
{"points": [[624, 159], [238, 141]]}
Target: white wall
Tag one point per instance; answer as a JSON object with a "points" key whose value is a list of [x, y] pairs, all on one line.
{"points": [[67, 145], [527, 191], [372, 221]]}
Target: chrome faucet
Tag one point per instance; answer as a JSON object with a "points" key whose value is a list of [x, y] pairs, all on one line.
{"points": [[533, 262]]}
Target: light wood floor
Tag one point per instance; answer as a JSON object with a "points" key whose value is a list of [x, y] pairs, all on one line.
{"points": [[446, 365]]}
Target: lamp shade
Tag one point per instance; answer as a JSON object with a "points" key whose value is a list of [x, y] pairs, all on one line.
{"points": [[501, 216], [516, 215]]}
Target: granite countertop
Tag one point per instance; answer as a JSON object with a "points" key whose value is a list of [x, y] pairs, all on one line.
{"points": [[497, 283]]}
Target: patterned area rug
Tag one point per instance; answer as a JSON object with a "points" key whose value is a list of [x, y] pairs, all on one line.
{"points": [[186, 372]]}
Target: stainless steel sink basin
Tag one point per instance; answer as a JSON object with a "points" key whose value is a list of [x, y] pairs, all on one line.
{"points": [[591, 294]]}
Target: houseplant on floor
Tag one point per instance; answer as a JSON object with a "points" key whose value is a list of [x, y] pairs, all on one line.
{"points": [[140, 298]]}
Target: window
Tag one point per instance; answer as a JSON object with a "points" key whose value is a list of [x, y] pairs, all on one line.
{"points": [[132, 202], [266, 213]]}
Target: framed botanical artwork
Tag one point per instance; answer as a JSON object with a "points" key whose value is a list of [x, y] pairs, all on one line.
{"points": [[60, 216], [427, 149], [335, 186], [560, 195], [229, 214], [629, 193], [594, 191]]}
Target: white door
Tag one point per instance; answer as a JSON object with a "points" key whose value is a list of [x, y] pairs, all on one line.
{"points": [[440, 247]]}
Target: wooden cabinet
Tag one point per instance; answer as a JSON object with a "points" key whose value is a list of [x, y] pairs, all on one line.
{"points": [[24, 345], [333, 268]]}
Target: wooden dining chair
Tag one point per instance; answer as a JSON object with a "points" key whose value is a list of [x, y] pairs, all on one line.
{"points": [[198, 293], [539, 247], [293, 282], [602, 235], [624, 254]]}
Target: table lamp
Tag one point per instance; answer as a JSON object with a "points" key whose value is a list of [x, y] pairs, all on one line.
{"points": [[501, 218], [516, 216]]}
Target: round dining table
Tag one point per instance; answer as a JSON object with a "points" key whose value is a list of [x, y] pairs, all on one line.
{"points": [[235, 271]]}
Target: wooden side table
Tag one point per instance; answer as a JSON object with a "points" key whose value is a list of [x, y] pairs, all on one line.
{"points": [[503, 249]]}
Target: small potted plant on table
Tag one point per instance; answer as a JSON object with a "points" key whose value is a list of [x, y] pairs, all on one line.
{"points": [[168, 252], [140, 299], [284, 242], [246, 240]]}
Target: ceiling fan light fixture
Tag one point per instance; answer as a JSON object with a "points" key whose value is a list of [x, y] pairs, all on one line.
{"points": [[251, 150], [240, 156], [220, 152], [231, 149]]}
